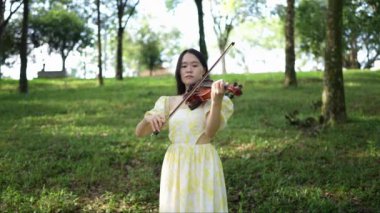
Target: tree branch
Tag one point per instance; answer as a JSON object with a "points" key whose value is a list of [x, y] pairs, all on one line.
{"points": [[6, 21], [131, 13]]}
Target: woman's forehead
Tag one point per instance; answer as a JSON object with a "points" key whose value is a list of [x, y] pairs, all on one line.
{"points": [[190, 58]]}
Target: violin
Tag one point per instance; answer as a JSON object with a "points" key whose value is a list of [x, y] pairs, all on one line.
{"points": [[203, 93]]}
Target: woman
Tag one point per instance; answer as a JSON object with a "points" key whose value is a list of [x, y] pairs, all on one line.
{"points": [[192, 177]]}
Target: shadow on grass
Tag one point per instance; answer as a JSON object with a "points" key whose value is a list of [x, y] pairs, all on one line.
{"points": [[325, 173]]}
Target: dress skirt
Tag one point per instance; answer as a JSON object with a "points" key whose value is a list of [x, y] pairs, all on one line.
{"points": [[192, 180], [192, 177]]}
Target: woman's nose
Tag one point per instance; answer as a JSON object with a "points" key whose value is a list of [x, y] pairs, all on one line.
{"points": [[189, 69]]}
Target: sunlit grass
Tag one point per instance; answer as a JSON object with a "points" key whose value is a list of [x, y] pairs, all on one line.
{"points": [[69, 145]]}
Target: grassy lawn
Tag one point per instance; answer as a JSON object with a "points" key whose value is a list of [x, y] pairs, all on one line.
{"points": [[69, 146]]}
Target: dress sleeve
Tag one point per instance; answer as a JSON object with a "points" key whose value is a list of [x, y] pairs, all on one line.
{"points": [[226, 112], [160, 107]]}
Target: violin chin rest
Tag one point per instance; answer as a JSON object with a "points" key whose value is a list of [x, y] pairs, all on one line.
{"points": [[195, 104]]}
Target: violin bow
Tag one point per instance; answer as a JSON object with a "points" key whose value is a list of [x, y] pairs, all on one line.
{"points": [[197, 85]]}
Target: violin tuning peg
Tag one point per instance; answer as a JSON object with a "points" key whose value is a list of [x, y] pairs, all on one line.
{"points": [[240, 86], [235, 84]]}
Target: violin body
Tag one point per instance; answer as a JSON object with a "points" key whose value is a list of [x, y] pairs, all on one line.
{"points": [[203, 93]]}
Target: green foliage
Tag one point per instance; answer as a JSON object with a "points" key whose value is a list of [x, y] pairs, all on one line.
{"points": [[171, 4], [148, 49], [360, 21], [227, 15], [62, 30], [268, 33], [9, 41], [310, 23], [69, 146]]}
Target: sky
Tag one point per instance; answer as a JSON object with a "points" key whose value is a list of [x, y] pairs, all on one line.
{"points": [[185, 19]]}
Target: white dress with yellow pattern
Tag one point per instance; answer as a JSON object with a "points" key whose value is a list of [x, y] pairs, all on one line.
{"points": [[192, 177]]}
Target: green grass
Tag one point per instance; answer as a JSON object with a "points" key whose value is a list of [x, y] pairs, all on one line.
{"points": [[69, 145]]}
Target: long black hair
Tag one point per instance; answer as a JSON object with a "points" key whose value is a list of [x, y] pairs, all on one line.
{"points": [[181, 88]]}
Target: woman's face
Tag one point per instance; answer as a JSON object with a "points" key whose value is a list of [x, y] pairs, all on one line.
{"points": [[191, 69]]}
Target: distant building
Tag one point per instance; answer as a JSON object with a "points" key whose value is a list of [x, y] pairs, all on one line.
{"points": [[50, 74], [156, 72]]}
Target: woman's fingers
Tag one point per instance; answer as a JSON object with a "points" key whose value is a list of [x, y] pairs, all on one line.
{"points": [[218, 87], [152, 126], [156, 122], [221, 86]]}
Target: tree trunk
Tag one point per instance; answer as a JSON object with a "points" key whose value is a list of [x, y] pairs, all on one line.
{"points": [[369, 63], [23, 82], [354, 54], [119, 55], [224, 70], [202, 42], [222, 39], [221, 50], [290, 58], [121, 5], [2, 21], [64, 57], [351, 59], [120, 33], [100, 65], [334, 108]]}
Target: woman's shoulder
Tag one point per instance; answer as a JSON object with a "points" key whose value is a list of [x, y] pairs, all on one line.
{"points": [[174, 100], [173, 97]]}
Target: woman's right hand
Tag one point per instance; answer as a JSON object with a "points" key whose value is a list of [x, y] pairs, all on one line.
{"points": [[156, 121]]}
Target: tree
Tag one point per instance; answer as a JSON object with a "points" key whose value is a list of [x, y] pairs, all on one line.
{"points": [[290, 57], [371, 31], [62, 30], [98, 23], [269, 34], [123, 8], [227, 15], [150, 52], [148, 49], [360, 30], [171, 4], [351, 41], [10, 41], [333, 100], [202, 39], [310, 25], [23, 81], [4, 20]]}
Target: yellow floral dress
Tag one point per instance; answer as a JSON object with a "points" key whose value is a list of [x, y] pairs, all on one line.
{"points": [[192, 177]]}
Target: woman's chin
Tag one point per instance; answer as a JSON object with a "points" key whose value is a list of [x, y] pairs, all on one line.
{"points": [[190, 81]]}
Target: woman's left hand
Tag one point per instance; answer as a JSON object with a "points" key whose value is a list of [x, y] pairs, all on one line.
{"points": [[217, 91]]}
